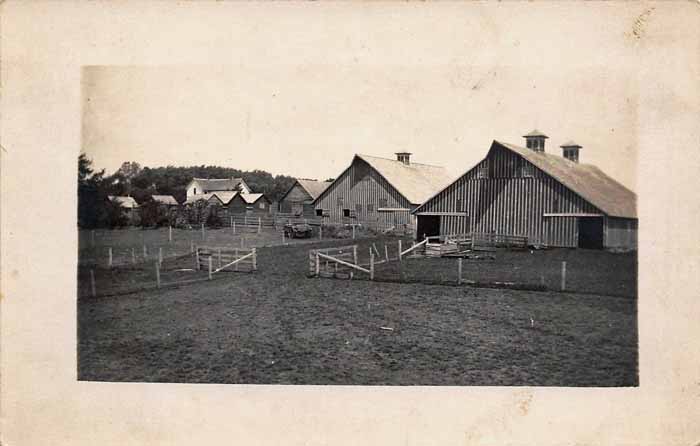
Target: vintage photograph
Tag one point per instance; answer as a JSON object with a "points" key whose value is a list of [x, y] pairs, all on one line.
{"points": [[281, 225]]}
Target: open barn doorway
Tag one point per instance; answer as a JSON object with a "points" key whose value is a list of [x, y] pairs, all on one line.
{"points": [[428, 225], [590, 232]]}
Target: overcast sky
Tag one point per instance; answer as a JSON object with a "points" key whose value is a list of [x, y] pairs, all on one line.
{"points": [[307, 117]]}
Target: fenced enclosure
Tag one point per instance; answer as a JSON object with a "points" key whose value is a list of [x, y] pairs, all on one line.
{"points": [[559, 270], [204, 263]]}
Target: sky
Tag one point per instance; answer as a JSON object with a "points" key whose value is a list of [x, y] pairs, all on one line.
{"points": [[307, 116]]}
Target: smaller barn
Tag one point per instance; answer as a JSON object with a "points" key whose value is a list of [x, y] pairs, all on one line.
{"points": [[380, 191], [249, 204], [299, 199]]}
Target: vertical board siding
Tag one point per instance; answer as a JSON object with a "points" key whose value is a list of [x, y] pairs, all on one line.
{"points": [[621, 233], [509, 203], [361, 184], [296, 195]]}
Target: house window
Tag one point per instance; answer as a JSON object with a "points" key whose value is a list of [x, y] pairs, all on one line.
{"points": [[346, 212], [194, 191], [370, 207], [319, 212]]}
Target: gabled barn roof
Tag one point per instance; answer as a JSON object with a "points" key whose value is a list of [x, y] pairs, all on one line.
{"points": [[165, 199], [586, 180], [125, 202], [313, 187], [195, 198], [415, 181]]}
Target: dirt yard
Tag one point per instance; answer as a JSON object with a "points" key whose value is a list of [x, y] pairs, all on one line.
{"points": [[279, 327]]}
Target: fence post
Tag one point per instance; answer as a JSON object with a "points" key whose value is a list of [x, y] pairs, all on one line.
{"points": [[196, 258], [459, 271], [563, 276], [354, 254], [133, 256], [255, 259], [353, 232], [203, 231], [145, 253], [283, 242], [400, 250], [110, 256], [157, 274], [386, 252], [320, 231], [210, 267], [235, 254], [234, 225], [170, 234], [245, 219], [318, 265], [160, 255], [219, 258], [242, 241], [259, 224], [92, 283], [371, 265]]}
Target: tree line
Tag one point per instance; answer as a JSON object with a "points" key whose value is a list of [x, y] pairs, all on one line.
{"points": [[131, 179]]}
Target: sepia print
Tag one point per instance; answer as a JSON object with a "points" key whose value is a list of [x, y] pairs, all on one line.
{"points": [[201, 262]]}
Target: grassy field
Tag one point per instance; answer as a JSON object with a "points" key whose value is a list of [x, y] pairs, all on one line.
{"points": [[277, 326]]}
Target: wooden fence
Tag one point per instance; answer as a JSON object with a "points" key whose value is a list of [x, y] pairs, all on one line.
{"points": [[215, 260]]}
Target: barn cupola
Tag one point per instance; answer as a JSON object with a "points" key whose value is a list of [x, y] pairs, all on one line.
{"points": [[570, 151], [535, 140], [404, 157]]}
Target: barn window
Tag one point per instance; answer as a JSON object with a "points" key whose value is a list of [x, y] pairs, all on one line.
{"points": [[527, 169], [370, 207], [358, 207], [262, 205], [383, 202], [346, 212], [340, 201], [319, 212]]}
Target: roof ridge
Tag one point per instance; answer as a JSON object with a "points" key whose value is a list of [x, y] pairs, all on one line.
{"points": [[397, 161]]}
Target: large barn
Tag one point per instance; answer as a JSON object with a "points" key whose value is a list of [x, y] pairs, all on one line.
{"points": [[552, 200], [379, 190], [300, 197]]}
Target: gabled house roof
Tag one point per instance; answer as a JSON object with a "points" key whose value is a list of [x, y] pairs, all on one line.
{"points": [[165, 199], [313, 187], [415, 181], [125, 202], [252, 198], [225, 196], [218, 184], [586, 180]]}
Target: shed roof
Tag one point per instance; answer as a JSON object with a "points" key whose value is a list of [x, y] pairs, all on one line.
{"points": [[219, 184], [125, 202], [415, 181], [313, 187], [197, 197], [165, 199]]}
